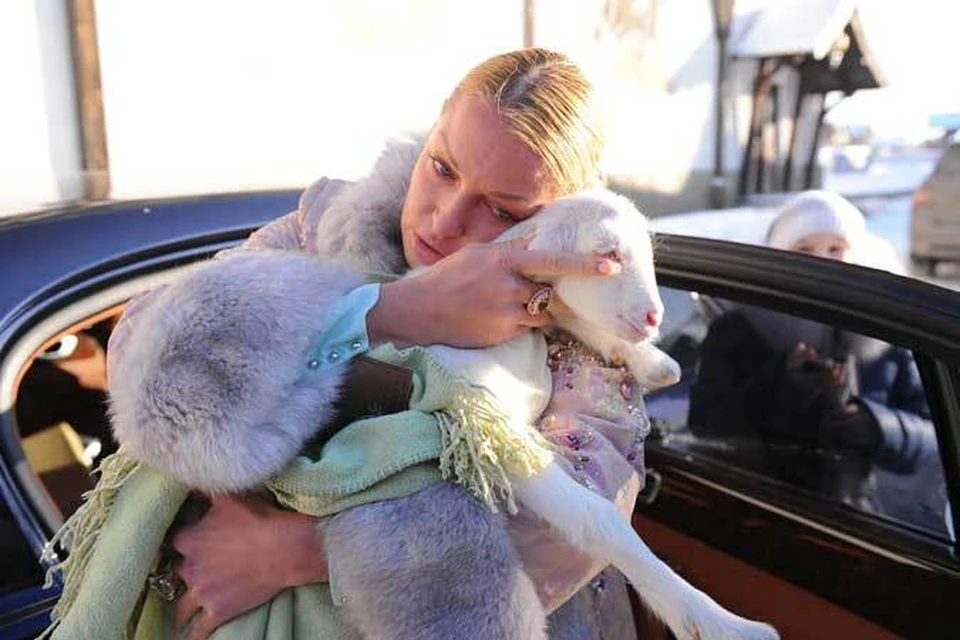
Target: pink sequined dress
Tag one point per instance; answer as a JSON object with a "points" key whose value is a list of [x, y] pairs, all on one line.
{"points": [[597, 419]]}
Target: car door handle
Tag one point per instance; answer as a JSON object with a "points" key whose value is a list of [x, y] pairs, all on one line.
{"points": [[651, 488]]}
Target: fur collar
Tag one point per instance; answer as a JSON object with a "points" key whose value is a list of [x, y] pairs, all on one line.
{"points": [[360, 227]]}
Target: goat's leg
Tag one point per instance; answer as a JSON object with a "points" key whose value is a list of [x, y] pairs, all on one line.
{"points": [[436, 565], [593, 524]]}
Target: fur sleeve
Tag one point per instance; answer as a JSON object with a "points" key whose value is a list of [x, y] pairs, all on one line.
{"points": [[297, 230], [212, 385]]}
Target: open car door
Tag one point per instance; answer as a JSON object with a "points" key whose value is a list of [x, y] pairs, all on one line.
{"points": [[732, 513]]}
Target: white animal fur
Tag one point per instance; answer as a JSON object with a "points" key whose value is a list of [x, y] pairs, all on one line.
{"points": [[609, 315]]}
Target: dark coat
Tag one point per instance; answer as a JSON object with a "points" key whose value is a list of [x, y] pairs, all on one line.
{"points": [[744, 392]]}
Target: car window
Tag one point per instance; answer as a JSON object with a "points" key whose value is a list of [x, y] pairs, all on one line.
{"points": [[61, 412], [827, 411]]}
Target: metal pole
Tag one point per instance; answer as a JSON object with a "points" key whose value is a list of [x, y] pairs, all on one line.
{"points": [[763, 108], [529, 13], [747, 163], [797, 109], [722, 12], [776, 160], [815, 144]]}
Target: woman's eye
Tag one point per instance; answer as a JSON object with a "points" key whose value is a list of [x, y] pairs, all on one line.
{"points": [[502, 214], [441, 168]]}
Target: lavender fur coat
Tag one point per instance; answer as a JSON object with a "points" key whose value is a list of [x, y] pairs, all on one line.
{"points": [[353, 228]]}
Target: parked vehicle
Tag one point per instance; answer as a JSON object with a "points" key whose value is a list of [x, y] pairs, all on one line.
{"points": [[811, 565], [935, 217]]}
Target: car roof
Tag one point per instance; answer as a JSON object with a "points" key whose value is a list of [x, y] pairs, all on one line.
{"points": [[39, 252]]}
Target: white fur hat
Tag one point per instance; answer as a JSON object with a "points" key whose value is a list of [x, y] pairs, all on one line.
{"points": [[816, 212]]}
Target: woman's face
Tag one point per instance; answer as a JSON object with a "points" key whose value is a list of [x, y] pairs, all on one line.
{"points": [[824, 245], [473, 180]]}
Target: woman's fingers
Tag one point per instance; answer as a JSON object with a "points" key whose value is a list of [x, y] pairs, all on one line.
{"points": [[475, 297], [188, 603], [184, 608], [202, 626], [551, 264], [239, 555], [527, 321]]}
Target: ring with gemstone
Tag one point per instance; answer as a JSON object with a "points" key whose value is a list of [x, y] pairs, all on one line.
{"points": [[539, 300], [167, 583]]}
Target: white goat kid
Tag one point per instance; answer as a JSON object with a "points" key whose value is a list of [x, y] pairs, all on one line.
{"points": [[610, 315]]}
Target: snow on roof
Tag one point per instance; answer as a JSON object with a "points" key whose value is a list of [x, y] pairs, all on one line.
{"points": [[790, 27]]}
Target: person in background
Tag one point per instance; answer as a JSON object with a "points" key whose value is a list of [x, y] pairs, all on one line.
{"points": [[788, 381]]}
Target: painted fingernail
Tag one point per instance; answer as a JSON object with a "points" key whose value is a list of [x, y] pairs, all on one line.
{"points": [[608, 267]]}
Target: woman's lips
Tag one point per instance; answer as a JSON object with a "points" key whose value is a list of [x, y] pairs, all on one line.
{"points": [[427, 253]]}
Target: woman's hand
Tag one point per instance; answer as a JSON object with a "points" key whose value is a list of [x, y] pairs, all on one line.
{"points": [[475, 297], [238, 556]]}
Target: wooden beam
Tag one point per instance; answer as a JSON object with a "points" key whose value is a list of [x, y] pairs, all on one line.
{"points": [[86, 72], [761, 87], [746, 163], [529, 17], [815, 144], [797, 111]]}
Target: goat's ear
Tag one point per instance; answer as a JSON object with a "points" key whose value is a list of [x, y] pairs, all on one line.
{"points": [[554, 237]]}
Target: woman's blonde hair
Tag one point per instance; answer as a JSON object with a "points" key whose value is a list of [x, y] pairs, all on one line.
{"points": [[549, 104]]}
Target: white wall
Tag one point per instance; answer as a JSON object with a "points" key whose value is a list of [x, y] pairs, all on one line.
{"points": [[39, 147], [239, 94], [225, 95], [660, 97]]}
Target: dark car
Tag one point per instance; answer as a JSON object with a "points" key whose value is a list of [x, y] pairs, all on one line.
{"points": [[715, 509]]}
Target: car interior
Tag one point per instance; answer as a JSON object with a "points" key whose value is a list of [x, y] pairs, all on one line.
{"points": [[61, 409]]}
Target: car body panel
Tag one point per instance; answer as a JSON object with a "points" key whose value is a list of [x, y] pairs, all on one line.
{"points": [[886, 579], [25, 613], [734, 583]]}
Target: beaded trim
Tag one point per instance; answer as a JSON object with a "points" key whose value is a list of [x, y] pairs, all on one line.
{"points": [[566, 357]]}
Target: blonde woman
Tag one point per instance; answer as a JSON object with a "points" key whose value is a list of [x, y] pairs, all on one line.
{"points": [[518, 131]]}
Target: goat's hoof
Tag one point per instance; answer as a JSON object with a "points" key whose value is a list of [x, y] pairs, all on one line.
{"points": [[709, 621], [664, 377], [736, 629]]}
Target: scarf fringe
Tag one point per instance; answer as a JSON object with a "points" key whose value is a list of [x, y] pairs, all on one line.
{"points": [[79, 534], [482, 449]]}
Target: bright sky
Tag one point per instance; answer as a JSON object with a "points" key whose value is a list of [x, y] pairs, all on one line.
{"points": [[917, 44]]}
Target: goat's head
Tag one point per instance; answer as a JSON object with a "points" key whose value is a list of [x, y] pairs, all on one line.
{"points": [[627, 304]]}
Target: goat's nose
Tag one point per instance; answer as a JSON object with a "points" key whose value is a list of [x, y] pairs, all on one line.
{"points": [[654, 318]]}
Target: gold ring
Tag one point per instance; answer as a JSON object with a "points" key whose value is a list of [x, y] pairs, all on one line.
{"points": [[539, 300]]}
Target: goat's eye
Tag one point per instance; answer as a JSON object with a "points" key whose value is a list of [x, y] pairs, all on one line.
{"points": [[613, 254]]}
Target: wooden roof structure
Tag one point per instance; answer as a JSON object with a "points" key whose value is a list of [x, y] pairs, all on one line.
{"points": [[824, 41]]}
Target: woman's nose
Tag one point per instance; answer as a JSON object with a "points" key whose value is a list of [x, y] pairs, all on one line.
{"points": [[449, 218]]}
